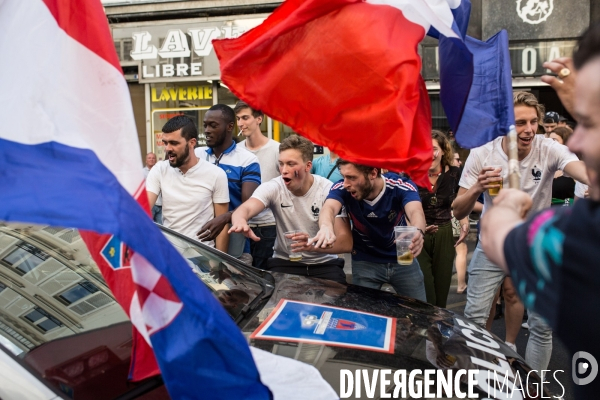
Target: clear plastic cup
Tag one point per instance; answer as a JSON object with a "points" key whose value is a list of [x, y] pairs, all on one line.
{"points": [[404, 236], [495, 191], [289, 241]]}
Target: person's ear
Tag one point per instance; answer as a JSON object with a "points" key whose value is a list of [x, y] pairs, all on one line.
{"points": [[259, 120], [373, 174]]}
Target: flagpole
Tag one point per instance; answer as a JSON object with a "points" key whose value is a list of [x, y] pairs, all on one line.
{"points": [[514, 175]]}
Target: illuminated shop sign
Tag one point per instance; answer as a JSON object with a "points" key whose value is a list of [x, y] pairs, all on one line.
{"points": [[177, 51]]}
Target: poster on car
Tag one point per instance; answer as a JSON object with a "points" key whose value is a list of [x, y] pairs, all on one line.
{"points": [[297, 321]]}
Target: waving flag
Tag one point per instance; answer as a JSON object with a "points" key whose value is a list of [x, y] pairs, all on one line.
{"points": [[69, 156], [489, 111], [345, 74], [475, 81]]}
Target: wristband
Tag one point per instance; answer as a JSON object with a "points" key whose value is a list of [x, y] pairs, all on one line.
{"points": [[422, 233]]}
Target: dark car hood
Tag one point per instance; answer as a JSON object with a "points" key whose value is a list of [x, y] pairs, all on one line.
{"points": [[423, 333]]}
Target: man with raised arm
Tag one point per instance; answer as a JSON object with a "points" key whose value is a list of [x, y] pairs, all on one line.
{"points": [[296, 199]]}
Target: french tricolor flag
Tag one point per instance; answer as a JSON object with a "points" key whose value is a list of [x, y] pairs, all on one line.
{"points": [[346, 74], [69, 156]]}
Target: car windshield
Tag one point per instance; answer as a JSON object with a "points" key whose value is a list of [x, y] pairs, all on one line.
{"points": [[56, 308]]}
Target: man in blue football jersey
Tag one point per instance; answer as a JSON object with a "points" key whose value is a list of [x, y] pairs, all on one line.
{"points": [[376, 203]]}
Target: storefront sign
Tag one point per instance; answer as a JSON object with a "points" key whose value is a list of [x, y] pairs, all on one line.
{"points": [[168, 52], [182, 93], [526, 58], [535, 20]]}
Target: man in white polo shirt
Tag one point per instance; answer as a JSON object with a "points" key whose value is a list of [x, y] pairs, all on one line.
{"points": [[194, 191]]}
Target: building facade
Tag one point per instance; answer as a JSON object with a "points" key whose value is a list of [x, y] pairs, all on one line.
{"points": [[166, 52]]}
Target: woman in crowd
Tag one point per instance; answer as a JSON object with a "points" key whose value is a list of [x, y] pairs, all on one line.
{"points": [[437, 256]]}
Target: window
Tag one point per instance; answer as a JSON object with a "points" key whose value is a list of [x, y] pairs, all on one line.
{"points": [[41, 319], [26, 257], [78, 292]]}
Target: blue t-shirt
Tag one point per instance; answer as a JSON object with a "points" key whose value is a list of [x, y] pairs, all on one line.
{"points": [[373, 222], [323, 165]]}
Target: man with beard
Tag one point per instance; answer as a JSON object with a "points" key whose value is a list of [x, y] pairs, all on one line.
{"points": [[553, 256], [539, 158], [193, 190], [296, 198], [242, 169], [376, 203], [157, 209]]}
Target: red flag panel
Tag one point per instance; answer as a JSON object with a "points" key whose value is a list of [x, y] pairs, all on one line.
{"points": [[343, 73]]}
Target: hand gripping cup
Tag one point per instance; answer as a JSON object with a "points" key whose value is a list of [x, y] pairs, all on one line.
{"points": [[404, 236], [495, 191], [288, 239]]}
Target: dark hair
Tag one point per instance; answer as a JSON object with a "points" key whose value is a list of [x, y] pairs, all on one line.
{"points": [[187, 126], [241, 105], [303, 145], [227, 112], [564, 133], [588, 46], [365, 169], [445, 146]]}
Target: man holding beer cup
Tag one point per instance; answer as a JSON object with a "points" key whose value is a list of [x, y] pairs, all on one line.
{"points": [[377, 204], [485, 171]]}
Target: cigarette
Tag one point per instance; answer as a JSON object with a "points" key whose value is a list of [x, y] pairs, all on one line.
{"points": [[296, 174], [240, 132]]}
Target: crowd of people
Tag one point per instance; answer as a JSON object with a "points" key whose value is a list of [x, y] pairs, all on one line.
{"points": [[271, 205]]}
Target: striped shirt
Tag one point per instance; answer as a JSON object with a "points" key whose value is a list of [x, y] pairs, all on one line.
{"points": [[240, 166], [373, 221]]}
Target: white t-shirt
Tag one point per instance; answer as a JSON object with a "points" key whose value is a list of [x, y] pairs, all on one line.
{"points": [[158, 202], [580, 189], [268, 158], [537, 169], [293, 212], [188, 198]]}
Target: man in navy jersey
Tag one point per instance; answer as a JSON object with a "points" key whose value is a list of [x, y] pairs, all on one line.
{"points": [[376, 204]]}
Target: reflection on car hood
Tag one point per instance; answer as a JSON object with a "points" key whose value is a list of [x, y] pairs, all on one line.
{"points": [[424, 335]]}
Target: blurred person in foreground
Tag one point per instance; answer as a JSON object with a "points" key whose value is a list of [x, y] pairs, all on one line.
{"points": [[552, 257]]}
